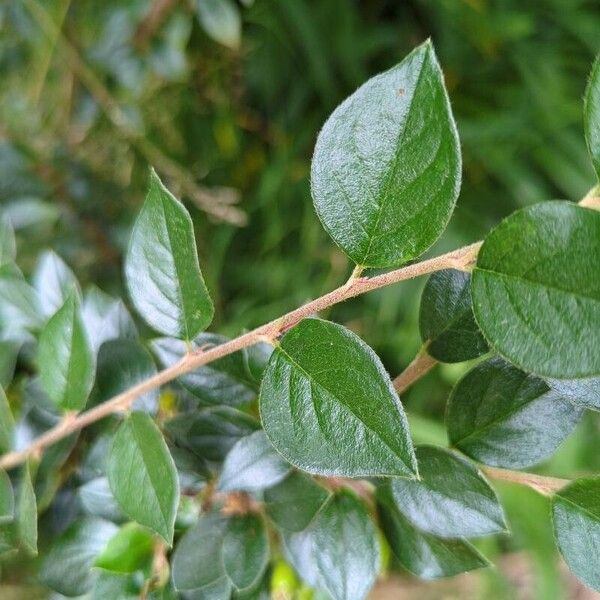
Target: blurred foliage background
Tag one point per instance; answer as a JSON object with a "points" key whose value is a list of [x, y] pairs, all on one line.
{"points": [[225, 100]]}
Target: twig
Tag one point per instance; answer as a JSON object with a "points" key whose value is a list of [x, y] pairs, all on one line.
{"points": [[270, 330], [541, 483], [421, 364], [151, 23]]}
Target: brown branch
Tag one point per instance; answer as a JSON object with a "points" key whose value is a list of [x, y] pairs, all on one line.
{"points": [[152, 22], [542, 484], [269, 331], [421, 365]]}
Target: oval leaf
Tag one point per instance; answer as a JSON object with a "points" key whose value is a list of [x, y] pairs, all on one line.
{"points": [[329, 407], [54, 282], [342, 525], [386, 168], [66, 359], [67, 567], [128, 551], [501, 416], [161, 269], [452, 498], [446, 318], [245, 550], [7, 424], [536, 289], [294, 502], [198, 562], [221, 21], [252, 464], [576, 517], [424, 555], [142, 475], [591, 115]]}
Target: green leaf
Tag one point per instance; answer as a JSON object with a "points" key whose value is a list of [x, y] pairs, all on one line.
{"points": [[424, 555], [293, 503], [129, 550], [452, 498], [8, 245], [54, 282], [501, 416], [9, 352], [225, 381], [576, 517], [7, 424], [245, 550], [386, 168], [197, 563], [345, 524], [221, 20], [591, 115], [142, 475], [584, 392], [97, 500], [67, 566], [252, 464], [105, 318], [329, 407], [299, 550], [161, 269], [20, 310], [446, 319], [27, 513], [7, 499], [111, 585], [122, 364], [65, 357], [536, 289], [212, 432]]}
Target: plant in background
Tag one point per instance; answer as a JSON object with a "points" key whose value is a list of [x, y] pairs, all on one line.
{"points": [[289, 445]]}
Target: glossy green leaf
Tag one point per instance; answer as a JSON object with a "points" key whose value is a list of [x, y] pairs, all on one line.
{"points": [[446, 318], [67, 566], [299, 550], [7, 424], [252, 464], [536, 290], [386, 168], [501, 416], [346, 548], [105, 318], [161, 269], [212, 432], [142, 475], [293, 503], [452, 498], [122, 364], [224, 381], [576, 517], [65, 357], [221, 21], [591, 115], [197, 564], [245, 550], [27, 513], [7, 499], [329, 407], [97, 500], [424, 555], [129, 550], [20, 310], [8, 245], [54, 282]]}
